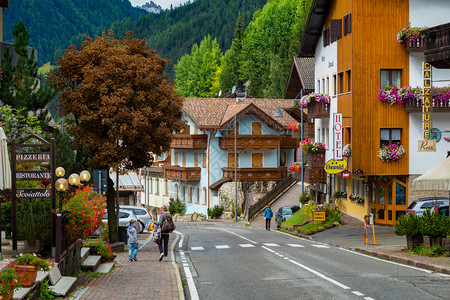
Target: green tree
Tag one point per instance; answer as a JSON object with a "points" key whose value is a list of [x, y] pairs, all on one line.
{"points": [[21, 86], [196, 71]]}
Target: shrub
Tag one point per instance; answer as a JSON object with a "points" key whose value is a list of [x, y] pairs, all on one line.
{"points": [[34, 219], [177, 207], [408, 225], [216, 211], [86, 209], [304, 198], [239, 211], [45, 292], [9, 282], [100, 248], [31, 259], [423, 250], [432, 224]]}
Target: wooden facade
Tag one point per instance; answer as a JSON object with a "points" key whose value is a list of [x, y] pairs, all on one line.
{"points": [[195, 141], [250, 141], [256, 174], [190, 174]]}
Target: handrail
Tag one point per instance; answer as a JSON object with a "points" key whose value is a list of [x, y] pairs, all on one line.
{"points": [[271, 196]]}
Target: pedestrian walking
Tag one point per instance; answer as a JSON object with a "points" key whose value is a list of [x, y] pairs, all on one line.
{"points": [[268, 214], [167, 226], [132, 241]]}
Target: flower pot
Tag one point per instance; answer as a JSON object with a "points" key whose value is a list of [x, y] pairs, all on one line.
{"points": [[445, 242], [414, 241], [9, 297], [27, 274]]}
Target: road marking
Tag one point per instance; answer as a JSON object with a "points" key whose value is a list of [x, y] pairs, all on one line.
{"points": [[180, 244], [197, 248], [357, 293], [253, 242], [185, 265], [320, 246], [191, 284], [387, 261], [268, 249], [286, 258], [246, 245], [343, 286], [271, 245], [296, 245], [368, 298], [222, 247]]}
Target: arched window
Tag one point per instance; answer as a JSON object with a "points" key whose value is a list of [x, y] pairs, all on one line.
{"points": [[190, 194], [176, 191], [183, 193], [197, 193], [205, 195]]}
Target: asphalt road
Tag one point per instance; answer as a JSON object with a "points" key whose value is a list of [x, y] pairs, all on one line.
{"points": [[227, 262]]}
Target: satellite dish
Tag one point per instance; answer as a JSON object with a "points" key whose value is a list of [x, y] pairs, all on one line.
{"points": [[220, 93], [233, 89]]}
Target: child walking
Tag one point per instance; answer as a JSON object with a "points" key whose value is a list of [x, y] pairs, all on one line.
{"points": [[132, 241]]}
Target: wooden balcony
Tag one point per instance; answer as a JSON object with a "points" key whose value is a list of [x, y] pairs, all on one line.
{"points": [[308, 132], [316, 160], [418, 46], [289, 142], [196, 141], [192, 174], [437, 51], [318, 110], [416, 106], [256, 174], [250, 142], [314, 175]]}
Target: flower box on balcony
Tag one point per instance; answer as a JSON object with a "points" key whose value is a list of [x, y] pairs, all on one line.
{"points": [[318, 105], [316, 160]]}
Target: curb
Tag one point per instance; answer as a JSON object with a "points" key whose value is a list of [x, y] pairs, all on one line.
{"points": [[177, 271], [405, 261]]}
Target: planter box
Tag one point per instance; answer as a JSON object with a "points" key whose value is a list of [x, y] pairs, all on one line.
{"points": [[431, 242], [9, 297], [27, 275], [446, 245], [414, 241], [316, 160]]}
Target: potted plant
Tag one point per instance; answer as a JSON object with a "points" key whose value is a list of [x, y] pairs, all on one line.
{"points": [[431, 228], [100, 247], [409, 226], [295, 167], [391, 152], [409, 34], [9, 284], [27, 265]]}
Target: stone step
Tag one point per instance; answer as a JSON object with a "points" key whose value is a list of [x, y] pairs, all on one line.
{"points": [[63, 286], [84, 253], [22, 293], [42, 275], [91, 263], [105, 267]]}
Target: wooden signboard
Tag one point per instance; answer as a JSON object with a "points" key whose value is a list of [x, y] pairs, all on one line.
{"points": [[427, 146], [319, 216], [33, 157]]}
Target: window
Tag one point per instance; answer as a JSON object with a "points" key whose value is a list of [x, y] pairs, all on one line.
{"points": [[390, 136], [390, 77], [334, 85], [344, 185], [195, 130], [338, 183], [205, 195], [190, 194], [347, 21], [231, 160], [256, 128], [336, 29], [151, 185], [195, 159], [323, 85], [176, 192], [257, 160], [157, 186], [183, 193], [327, 136], [175, 158], [328, 86], [318, 85], [325, 39], [197, 193], [341, 83], [349, 80], [184, 159], [204, 159]]}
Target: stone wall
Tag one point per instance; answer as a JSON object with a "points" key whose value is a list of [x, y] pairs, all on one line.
{"points": [[414, 195]]}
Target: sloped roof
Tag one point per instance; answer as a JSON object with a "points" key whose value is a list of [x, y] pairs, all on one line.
{"points": [[300, 77], [212, 113]]}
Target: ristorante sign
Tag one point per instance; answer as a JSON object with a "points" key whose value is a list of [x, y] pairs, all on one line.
{"points": [[33, 175]]}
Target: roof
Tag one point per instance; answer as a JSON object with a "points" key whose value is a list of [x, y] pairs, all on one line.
{"points": [[213, 113], [313, 28], [216, 185], [301, 77], [127, 182]]}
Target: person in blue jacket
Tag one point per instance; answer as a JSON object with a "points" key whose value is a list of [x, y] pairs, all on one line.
{"points": [[268, 214]]}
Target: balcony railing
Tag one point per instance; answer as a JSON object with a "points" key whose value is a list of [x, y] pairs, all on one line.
{"points": [[288, 142], [256, 174], [183, 173], [318, 110], [197, 141], [417, 46], [250, 142], [316, 160], [415, 105], [312, 175], [308, 132], [437, 52]]}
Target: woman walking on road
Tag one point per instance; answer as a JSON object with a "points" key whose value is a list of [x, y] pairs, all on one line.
{"points": [[167, 226], [268, 214]]}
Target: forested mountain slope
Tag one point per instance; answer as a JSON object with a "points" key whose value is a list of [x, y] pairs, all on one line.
{"points": [[53, 23], [173, 32]]}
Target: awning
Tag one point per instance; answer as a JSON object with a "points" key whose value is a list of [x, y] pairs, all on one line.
{"points": [[127, 182], [436, 179], [216, 185]]}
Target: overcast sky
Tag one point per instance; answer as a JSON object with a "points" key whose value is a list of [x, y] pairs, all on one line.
{"points": [[164, 3]]}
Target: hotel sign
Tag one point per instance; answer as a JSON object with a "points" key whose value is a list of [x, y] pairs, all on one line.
{"points": [[426, 106], [335, 166], [337, 132]]}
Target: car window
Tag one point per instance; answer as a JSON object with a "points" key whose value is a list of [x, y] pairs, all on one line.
{"points": [[294, 209], [427, 204], [123, 215], [287, 211], [411, 206], [139, 212]]}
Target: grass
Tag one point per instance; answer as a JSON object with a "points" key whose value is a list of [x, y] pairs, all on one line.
{"points": [[45, 69]]}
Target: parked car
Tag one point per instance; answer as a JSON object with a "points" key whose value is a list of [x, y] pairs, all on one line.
{"points": [[285, 213], [443, 210], [124, 219], [142, 214], [419, 206]]}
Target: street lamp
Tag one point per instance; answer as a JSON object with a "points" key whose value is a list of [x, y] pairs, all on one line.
{"points": [[61, 186], [85, 176], [74, 179], [219, 135], [279, 114]]}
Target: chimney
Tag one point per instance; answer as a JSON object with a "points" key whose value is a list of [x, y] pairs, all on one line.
{"points": [[240, 97]]}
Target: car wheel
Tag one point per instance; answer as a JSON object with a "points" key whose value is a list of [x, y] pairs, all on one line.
{"points": [[141, 227]]}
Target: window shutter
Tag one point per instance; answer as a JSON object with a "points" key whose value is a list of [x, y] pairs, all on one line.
{"points": [[345, 24], [349, 23], [324, 38], [336, 29]]}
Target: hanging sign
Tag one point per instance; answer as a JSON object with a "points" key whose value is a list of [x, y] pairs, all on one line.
{"points": [[335, 166], [426, 106], [33, 193], [337, 133], [345, 174], [33, 157]]}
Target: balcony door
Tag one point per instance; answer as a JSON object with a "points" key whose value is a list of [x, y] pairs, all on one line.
{"points": [[256, 128], [184, 159], [257, 160], [231, 160]]}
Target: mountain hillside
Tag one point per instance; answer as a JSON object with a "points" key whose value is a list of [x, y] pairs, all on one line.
{"points": [[151, 7], [53, 23], [173, 32]]}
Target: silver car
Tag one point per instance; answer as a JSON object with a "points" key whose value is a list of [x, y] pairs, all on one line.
{"points": [[124, 219], [419, 206], [142, 214]]}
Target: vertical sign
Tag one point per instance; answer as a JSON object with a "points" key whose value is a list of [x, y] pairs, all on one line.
{"points": [[337, 133], [426, 106]]}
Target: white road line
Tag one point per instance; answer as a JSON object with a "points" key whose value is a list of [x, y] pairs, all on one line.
{"points": [[368, 298], [268, 249], [387, 261], [295, 245], [357, 293], [286, 258], [197, 248], [271, 245], [180, 244], [222, 247], [253, 242], [320, 246], [191, 284], [246, 245], [185, 265], [343, 286]]}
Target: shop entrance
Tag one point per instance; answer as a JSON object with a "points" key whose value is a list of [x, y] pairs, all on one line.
{"points": [[388, 198]]}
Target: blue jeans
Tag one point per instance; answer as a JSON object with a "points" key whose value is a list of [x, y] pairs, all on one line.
{"points": [[132, 250]]}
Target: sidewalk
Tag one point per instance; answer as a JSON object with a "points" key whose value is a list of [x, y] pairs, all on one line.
{"points": [[145, 279]]}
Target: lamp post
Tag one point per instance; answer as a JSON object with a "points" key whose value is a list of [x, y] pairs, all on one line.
{"points": [[85, 176], [219, 135], [61, 187], [279, 114]]}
